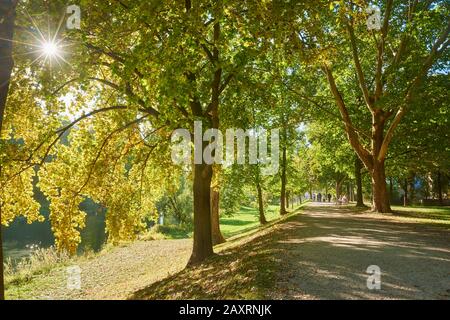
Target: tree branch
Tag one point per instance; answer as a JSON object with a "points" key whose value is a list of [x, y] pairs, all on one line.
{"points": [[380, 49], [359, 71], [363, 154]]}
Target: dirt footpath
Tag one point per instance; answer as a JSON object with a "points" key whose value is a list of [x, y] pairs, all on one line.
{"points": [[326, 251]]}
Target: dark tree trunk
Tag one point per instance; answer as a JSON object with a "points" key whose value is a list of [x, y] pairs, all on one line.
{"points": [[358, 176], [262, 216], [380, 195], [7, 20], [288, 199], [203, 247], [412, 188], [439, 187], [391, 189], [283, 183], [217, 237], [405, 189], [349, 192]]}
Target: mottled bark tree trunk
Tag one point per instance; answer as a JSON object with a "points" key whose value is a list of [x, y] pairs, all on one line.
{"points": [[380, 202], [262, 216], [283, 183], [380, 196], [217, 237], [203, 247], [358, 178], [7, 19]]}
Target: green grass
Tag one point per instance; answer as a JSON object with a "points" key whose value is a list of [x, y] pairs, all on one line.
{"points": [[430, 213], [246, 219], [163, 232]]}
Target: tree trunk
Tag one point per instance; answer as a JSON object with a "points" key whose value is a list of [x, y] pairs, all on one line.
{"points": [[412, 188], [338, 188], [391, 189], [262, 216], [203, 247], [439, 187], [358, 176], [380, 202], [283, 183], [380, 195], [349, 192], [7, 20], [288, 199], [217, 237], [405, 196]]}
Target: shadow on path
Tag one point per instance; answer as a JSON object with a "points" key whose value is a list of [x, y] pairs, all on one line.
{"points": [[325, 254], [321, 254]]}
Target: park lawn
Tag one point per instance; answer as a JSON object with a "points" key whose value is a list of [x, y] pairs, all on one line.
{"points": [[247, 218], [436, 216], [434, 213]]}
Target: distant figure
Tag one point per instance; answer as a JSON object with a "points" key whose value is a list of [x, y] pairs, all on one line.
{"points": [[319, 197], [314, 197], [329, 197], [344, 199]]}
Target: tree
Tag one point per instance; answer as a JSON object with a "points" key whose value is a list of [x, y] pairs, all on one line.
{"points": [[390, 65], [7, 22], [146, 70]]}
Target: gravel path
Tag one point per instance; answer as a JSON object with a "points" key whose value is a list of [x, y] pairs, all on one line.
{"points": [[325, 252]]}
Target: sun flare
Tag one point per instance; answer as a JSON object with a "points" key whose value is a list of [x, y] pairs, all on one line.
{"points": [[50, 49]]}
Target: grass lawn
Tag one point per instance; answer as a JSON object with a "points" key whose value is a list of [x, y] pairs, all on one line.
{"points": [[438, 216], [246, 219], [435, 213]]}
